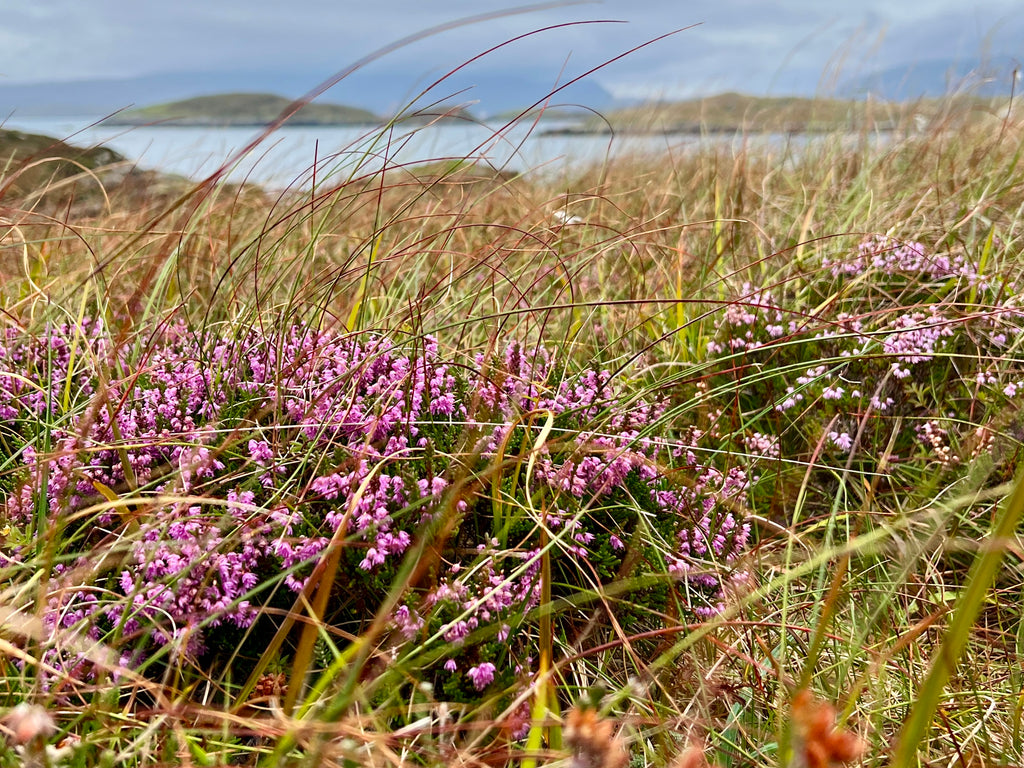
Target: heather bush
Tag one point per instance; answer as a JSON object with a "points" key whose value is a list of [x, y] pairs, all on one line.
{"points": [[217, 470], [894, 360]]}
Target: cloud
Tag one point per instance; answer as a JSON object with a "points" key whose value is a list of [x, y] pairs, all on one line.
{"points": [[740, 44]]}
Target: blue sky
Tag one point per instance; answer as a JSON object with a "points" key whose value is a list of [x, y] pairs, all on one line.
{"points": [[796, 46]]}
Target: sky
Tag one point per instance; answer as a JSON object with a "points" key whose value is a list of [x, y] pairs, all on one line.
{"points": [[793, 46]]}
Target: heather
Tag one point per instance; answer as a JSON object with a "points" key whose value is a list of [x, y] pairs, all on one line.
{"points": [[302, 440], [397, 467]]}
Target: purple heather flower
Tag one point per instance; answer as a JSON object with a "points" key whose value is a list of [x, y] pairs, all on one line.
{"points": [[841, 440], [407, 622], [482, 675], [367, 409], [457, 632]]}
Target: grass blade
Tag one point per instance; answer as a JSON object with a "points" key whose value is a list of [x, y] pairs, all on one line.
{"points": [[981, 576]]}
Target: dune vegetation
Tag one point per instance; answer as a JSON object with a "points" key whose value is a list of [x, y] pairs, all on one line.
{"points": [[706, 458]]}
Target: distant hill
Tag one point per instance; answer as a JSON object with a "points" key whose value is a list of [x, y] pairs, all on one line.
{"points": [[936, 78], [382, 93], [737, 112], [731, 112], [242, 109]]}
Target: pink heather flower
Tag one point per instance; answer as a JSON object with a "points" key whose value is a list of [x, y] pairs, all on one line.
{"points": [[407, 622], [482, 675], [373, 558], [895, 257], [834, 392], [881, 405], [457, 632], [364, 404], [762, 445], [261, 452], [841, 440], [450, 665]]}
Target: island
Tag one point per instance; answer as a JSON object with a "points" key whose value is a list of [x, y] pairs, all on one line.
{"points": [[242, 109], [742, 113]]}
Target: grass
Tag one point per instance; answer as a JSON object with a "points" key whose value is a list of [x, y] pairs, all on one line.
{"points": [[591, 374], [33, 163]]}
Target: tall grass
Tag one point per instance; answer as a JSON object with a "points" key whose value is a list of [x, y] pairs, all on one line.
{"points": [[396, 469]]}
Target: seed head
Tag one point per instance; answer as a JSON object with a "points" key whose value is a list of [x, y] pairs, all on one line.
{"points": [[28, 722], [592, 740], [822, 743]]}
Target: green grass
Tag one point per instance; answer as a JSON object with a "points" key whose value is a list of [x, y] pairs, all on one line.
{"points": [[886, 579]]}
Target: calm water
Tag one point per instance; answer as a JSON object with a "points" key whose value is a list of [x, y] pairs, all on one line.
{"points": [[286, 158]]}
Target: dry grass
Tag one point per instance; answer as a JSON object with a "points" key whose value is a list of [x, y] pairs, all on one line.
{"points": [[623, 267]]}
